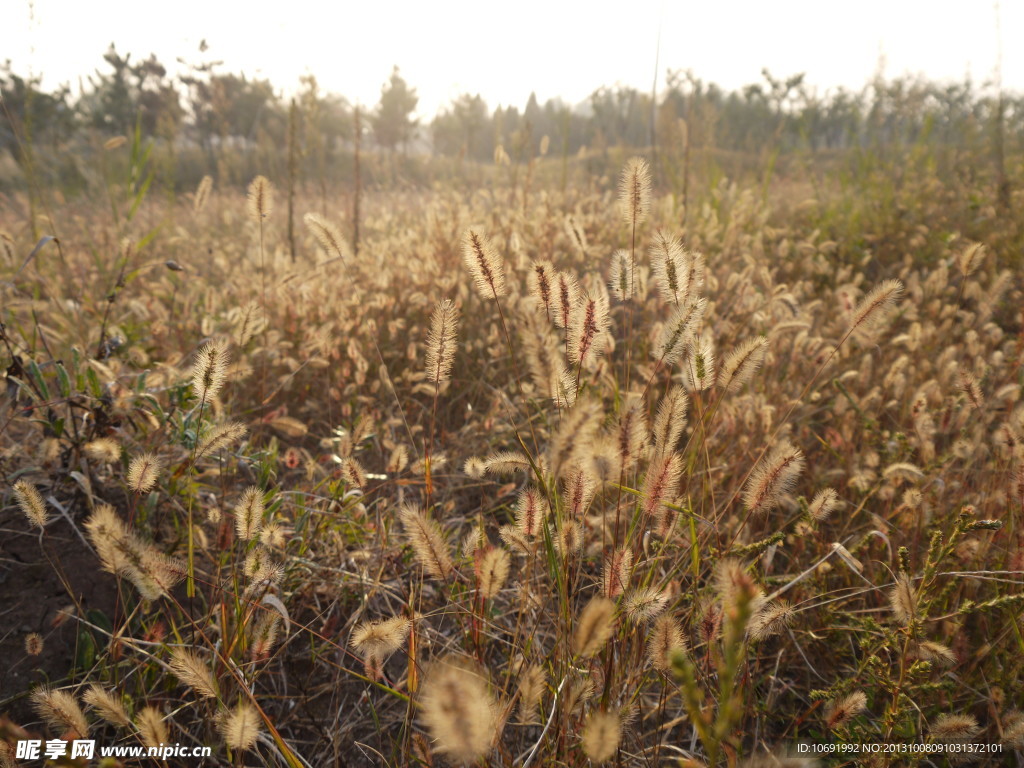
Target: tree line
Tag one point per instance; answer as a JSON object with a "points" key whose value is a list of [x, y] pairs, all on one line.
{"points": [[204, 111]]}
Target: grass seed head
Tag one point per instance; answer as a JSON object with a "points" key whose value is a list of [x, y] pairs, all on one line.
{"points": [[770, 619], [823, 504], [424, 535], [60, 711], [122, 552], [622, 282], [33, 644], [601, 736], [109, 537], [667, 258], [644, 603], [677, 335], [954, 727], [699, 365], [202, 195], [260, 198], [151, 727], [263, 635], [661, 482], [493, 566], [1013, 729], [327, 235], [441, 341], [840, 712], [155, 574], [941, 654], [506, 463], [733, 584], [531, 511], [107, 705], [576, 234], [670, 420], [635, 191], [742, 363], [569, 538], [872, 310], [618, 566], [249, 513], [458, 710], [773, 478], [903, 600], [31, 504], [192, 671], [381, 638], [567, 293], [594, 626], [588, 324], [665, 638], [241, 726], [970, 258], [631, 435], [579, 487], [219, 437], [484, 265], [968, 384], [143, 472], [210, 370], [531, 690], [104, 449], [541, 283]]}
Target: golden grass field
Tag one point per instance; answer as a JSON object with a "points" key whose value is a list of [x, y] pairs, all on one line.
{"points": [[542, 475]]}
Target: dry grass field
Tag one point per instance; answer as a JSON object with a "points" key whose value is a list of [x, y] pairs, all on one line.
{"points": [[542, 474]]}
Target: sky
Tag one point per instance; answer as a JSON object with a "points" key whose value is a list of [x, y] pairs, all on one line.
{"points": [[504, 52]]}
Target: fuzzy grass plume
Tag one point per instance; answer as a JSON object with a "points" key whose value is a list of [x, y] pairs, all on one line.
{"points": [[143, 472], [260, 198], [427, 541], [209, 372], [458, 711], [773, 478], [327, 235], [192, 671], [484, 265], [601, 736], [249, 513], [635, 191], [107, 705], [441, 341], [594, 626], [31, 503], [240, 726], [60, 710], [202, 195]]}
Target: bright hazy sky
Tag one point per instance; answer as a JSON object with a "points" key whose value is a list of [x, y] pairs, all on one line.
{"points": [[555, 48]]}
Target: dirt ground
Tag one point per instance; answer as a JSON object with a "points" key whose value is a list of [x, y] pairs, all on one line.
{"points": [[42, 590]]}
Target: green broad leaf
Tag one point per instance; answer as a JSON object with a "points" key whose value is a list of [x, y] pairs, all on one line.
{"points": [[95, 388], [76, 366], [85, 656], [100, 619], [37, 377], [63, 380]]}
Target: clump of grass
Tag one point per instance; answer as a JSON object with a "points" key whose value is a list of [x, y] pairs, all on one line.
{"points": [[708, 476]]}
